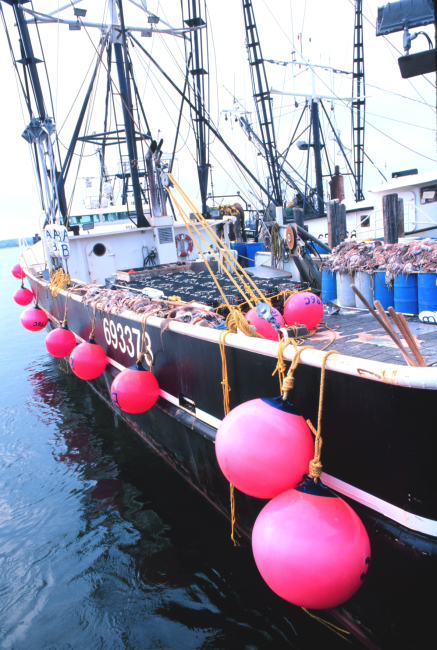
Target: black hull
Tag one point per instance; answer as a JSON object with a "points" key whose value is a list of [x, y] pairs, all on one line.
{"points": [[377, 436]]}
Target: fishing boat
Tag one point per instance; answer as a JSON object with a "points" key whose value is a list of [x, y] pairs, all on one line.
{"points": [[154, 280]]}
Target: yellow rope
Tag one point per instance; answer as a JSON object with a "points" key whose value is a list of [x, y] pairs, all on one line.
{"points": [[236, 320], [280, 366], [288, 381], [93, 320], [192, 225], [330, 626], [233, 529], [315, 469], [225, 383], [57, 281], [226, 390], [333, 338], [226, 253]]}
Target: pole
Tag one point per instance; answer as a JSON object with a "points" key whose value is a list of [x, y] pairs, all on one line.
{"points": [[336, 213], [317, 157], [122, 63], [390, 218]]}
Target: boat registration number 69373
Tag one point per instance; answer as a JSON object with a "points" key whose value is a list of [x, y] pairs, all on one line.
{"points": [[126, 339]]}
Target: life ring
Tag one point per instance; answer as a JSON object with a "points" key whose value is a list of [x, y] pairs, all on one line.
{"points": [[184, 245]]}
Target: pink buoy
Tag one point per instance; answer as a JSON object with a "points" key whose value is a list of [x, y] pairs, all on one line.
{"points": [[60, 342], [264, 447], [23, 296], [135, 390], [34, 319], [18, 272], [310, 547], [303, 308], [263, 327], [88, 360]]}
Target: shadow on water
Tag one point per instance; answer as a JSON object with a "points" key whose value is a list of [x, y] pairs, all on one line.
{"points": [[104, 546]]}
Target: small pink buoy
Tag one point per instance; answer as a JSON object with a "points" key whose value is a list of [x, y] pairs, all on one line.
{"points": [[135, 390], [23, 296], [310, 547], [18, 272], [88, 360], [264, 447], [263, 327], [60, 342], [34, 319], [303, 308]]}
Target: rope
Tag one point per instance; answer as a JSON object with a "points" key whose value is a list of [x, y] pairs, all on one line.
{"points": [[329, 625], [315, 468], [226, 390], [57, 282], [233, 529], [226, 253], [93, 320], [333, 338], [189, 225], [288, 381], [236, 320], [280, 366], [144, 350], [225, 382]]}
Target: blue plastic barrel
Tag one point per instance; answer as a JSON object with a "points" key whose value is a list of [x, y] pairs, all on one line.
{"points": [[405, 294], [383, 292], [242, 252], [329, 286], [252, 248], [427, 291]]}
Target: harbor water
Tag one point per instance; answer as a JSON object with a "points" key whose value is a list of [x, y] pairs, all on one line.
{"points": [[103, 545]]}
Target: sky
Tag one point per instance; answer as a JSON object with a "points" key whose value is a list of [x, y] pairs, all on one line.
{"points": [[400, 114]]}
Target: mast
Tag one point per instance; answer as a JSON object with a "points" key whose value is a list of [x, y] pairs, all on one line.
{"points": [[30, 60], [201, 97], [317, 156], [123, 73], [358, 103], [261, 95]]}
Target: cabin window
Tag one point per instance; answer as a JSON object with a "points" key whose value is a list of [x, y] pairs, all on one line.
{"points": [[365, 221], [114, 216], [428, 194], [86, 218]]}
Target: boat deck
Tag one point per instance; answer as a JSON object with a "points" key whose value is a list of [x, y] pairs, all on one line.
{"points": [[357, 334], [353, 332]]}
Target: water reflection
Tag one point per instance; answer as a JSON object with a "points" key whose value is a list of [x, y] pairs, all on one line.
{"points": [[105, 546]]}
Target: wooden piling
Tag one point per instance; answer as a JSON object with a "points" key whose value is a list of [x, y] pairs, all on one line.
{"points": [[391, 210], [400, 218], [336, 212]]}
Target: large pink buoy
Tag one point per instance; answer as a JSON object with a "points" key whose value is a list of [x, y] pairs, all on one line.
{"points": [[264, 447], [34, 319], [88, 360], [263, 327], [303, 308], [23, 296], [310, 547], [18, 272], [60, 342], [135, 390]]}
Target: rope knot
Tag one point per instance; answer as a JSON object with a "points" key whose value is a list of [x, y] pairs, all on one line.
{"points": [[315, 469]]}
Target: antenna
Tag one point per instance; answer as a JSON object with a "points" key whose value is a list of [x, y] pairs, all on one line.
{"points": [[359, 102]]}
